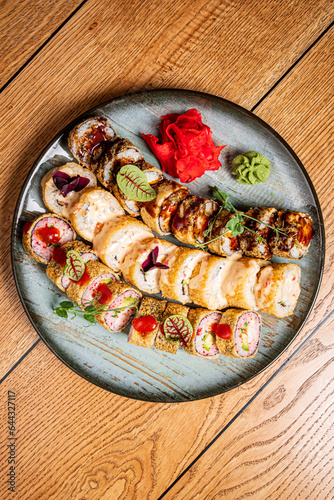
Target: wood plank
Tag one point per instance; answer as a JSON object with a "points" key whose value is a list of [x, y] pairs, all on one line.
{"points": [[154, 44], [282, 445], [24, 27]]}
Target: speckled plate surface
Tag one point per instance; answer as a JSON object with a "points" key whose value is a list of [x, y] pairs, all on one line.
{"points": [[107, 359]]}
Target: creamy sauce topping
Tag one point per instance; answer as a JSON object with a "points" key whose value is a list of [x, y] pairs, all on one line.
{"points": [[263, 286]]}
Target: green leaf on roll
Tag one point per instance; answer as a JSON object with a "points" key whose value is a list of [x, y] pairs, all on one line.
{"points": [[134, 184]]}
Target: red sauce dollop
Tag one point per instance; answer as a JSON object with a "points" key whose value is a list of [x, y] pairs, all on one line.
{"points": [[223, 331], [48, 235], [26, 227], [59, 256], [84, 280], [145, 324], [104, 294]]}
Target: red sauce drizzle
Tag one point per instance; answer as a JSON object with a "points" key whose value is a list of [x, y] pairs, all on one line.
{"points": [[26, 227], [223, 331], [84, 280], [48, 235], [105, 295], [59, 256], [144, 325]]}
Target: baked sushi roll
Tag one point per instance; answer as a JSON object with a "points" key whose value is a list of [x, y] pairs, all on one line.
{"points": [[117, 235], [161, 342], [254, 239], [158, 213], [205, 284], [142, 265], [88, 140], [83, 291], [206, 211], [45, 233], [121, 302], [147, 322], [174, 282], [93, 208], [55, 268], [277, 289], [203, 340], [220, 239], [58, 200], [153, 174], [298, 232], [239, 281], [238, 333], [184, 220]]}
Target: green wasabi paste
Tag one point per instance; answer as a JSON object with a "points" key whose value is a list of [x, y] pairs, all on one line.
{"points": [[250, 168]]}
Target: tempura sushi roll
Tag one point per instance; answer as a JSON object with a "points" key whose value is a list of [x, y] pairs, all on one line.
{"points": [[55, 268], [297, 232], [220, 239], [184, 220], [277, 289], [143, 335], [45, 233], [133, 267], [205, 284], [254, 240], [174, 282], [121, 304], [94, 207], [113, 242], [158, 213], [54, 200], [203, 340], [206, 210], [83, 291], [161, 342], [88, 139], [238, 333], [153, 174], [239, 281]]}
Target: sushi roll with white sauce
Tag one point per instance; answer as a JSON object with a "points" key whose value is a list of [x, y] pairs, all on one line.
{"points": [[144, 335], [161, 343], [295, 237], [94, 207], [238, 333], [203, 341], [45, 233], [205, 284]]}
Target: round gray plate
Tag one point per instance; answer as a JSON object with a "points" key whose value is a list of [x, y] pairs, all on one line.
{"points": [[107, 359]]}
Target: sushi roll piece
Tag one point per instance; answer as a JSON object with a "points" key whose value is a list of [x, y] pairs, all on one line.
{"points": [[158, 213], [45, 233], [203, 340], [174, 282], [161, 343], [150, 309], [117, 235], [298, 233], [220, 239], [184, 220], [254, 240], [153, 174], [88, 140], [238, 333], [52, 197], [83, 291], [146, 278], [55, 268], [93, 208], [205, 284], [121, 302], [206, 211], [277, 289]]}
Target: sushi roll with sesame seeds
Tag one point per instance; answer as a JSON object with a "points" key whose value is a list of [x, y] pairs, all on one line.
{"points": [[254, 239], [220, 239], [57, 199], [141, 333], [203, 340], [88, 139], [294, 238], [238, 333], [161, 343], [93, 208], [45, 233], [55, 268]]}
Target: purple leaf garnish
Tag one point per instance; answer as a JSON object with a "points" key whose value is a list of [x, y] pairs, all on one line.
{"points": [[66, 184], [151, 261], [60, 178]]}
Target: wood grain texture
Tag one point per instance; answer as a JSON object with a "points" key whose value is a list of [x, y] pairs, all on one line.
{"points": [[108, 49], [282, 445], [24, 27]]}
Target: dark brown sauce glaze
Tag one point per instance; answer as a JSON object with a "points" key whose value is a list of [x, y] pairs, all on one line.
{"points": [[169, 209]]}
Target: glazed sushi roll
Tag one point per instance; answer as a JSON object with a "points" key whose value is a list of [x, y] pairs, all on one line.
{"points": [[54, 200], [183, 224], [223, 242], [239, 281], [94, 207], [238, 333], [161, 342], [113, 242], [277, 289], [206, 211], [45, 233], [205, 284], [83, 291], [203, 341], [158, 213], [153, 174], [121, 302], [254, 240], [174, 282], [298, 232], [88, 140], [146, 328], [55, 268]]}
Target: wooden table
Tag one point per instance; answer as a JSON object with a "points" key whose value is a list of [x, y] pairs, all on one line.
{"points": [[270, 438]]}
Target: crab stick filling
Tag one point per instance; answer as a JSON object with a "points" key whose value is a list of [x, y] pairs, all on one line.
{"points": [[49, 233], [247, 334], [205, 340], [116, 320]]}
